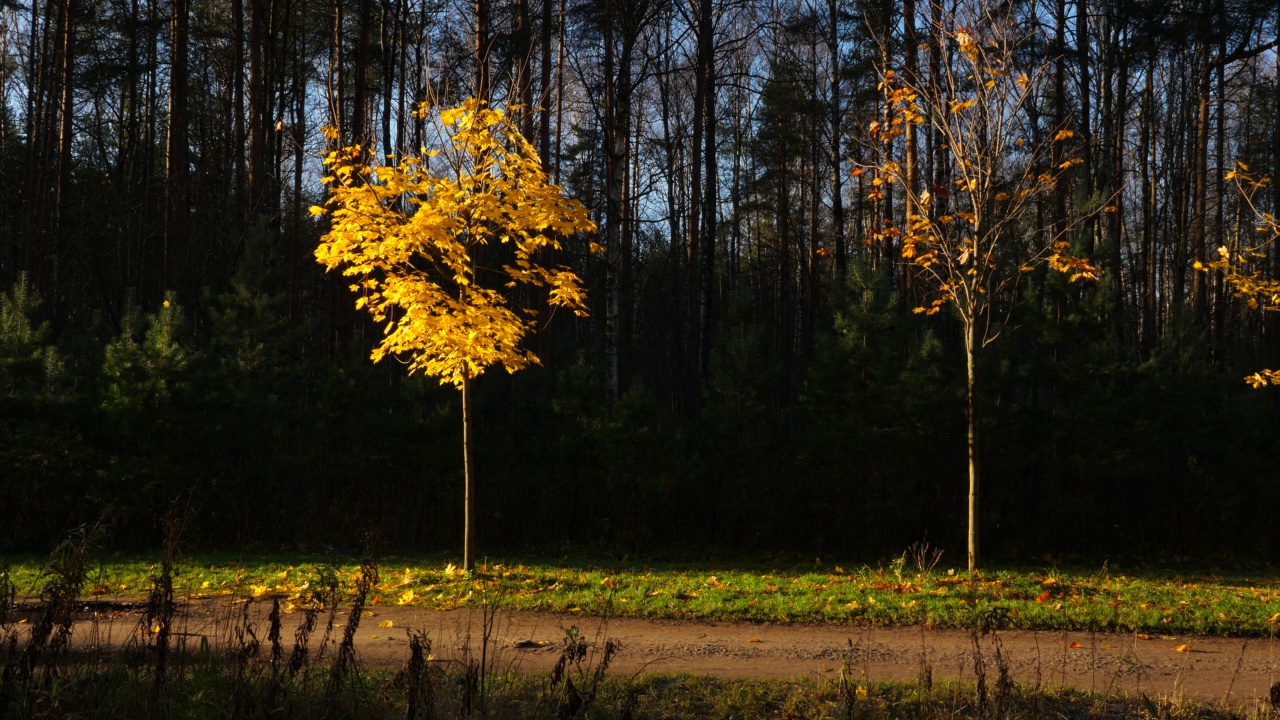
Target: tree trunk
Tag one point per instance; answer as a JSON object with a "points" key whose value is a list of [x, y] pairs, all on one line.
{"points": [[910, 159], [360, 103], [1085, 120], [175, 245], [468, 479], [707, 245], [544, 87], [236, 148], [258, 111], [836, 110], [522, 60], [1199, 294], [971, 417], [482, 90]]}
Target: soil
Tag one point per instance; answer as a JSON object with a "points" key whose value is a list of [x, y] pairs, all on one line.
{"points": [[1234, 670]]}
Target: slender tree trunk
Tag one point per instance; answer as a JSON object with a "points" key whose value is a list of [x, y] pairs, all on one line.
{"points": [[1115, 189], [693, 228], [66, 109], [468, 478], [615, 156], [239, 193], [1220, 300], [337, 76], [1150, 195], [910, 159], [390, 48], [258, 110], [707, 245], [971, 418], [175, 246], [544, 87], [1059, 114], [1199, 294], [837, 132], [482, 90], [361, 127], [1085, 121], [522, 71]]}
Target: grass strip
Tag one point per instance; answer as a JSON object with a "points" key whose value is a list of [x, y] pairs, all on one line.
{"points": [[1151, 601]]}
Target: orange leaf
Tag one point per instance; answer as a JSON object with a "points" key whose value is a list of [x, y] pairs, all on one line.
{"points": [[1074, 645], [1043, 596], [1182, 648]]}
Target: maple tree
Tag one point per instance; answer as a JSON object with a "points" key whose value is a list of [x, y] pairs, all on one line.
{"points": [[1246, 281], [409, 232], [971, 235]]}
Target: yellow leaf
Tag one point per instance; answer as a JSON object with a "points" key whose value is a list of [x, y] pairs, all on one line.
{"points": [[405, 598], [1063, 135], [386, 624], [1182, 648]]}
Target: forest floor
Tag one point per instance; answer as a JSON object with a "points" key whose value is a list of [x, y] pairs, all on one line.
{"points": [[1212, 669]]}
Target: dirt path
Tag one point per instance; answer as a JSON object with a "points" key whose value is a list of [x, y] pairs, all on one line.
{"points": [[1218, 669]]}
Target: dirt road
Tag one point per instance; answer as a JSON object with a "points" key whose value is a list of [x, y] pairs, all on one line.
{"points": [[1235, 670]]}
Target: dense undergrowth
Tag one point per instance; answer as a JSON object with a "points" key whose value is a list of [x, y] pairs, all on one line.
{"points": [[283, 443]]}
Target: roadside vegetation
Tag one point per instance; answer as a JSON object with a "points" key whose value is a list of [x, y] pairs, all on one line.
{"points": [[911, 589], [249, 668]]}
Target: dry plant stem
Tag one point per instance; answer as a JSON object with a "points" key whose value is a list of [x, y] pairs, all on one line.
{"points": [[1226, 697]]}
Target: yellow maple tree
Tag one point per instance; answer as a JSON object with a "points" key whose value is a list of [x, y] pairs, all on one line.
{"points": [[971, 236], [409, 230], [1244, 279]]}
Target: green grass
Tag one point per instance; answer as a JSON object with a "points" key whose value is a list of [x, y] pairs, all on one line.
{"points": [[1150, 601]]}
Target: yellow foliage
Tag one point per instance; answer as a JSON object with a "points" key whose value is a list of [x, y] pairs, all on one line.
{"points": [[1247, 283], [410, 235]]}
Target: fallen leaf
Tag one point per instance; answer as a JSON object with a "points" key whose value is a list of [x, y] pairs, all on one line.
{"points": [[1043, 596], [1182, 648], [753, 640], [386, 624], [1074, 645]]}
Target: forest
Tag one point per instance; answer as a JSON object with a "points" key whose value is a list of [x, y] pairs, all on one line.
{"points": [[773, 361]]}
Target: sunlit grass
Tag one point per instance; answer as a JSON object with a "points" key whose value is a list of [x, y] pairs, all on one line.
{"points": [[1153, 602]]}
